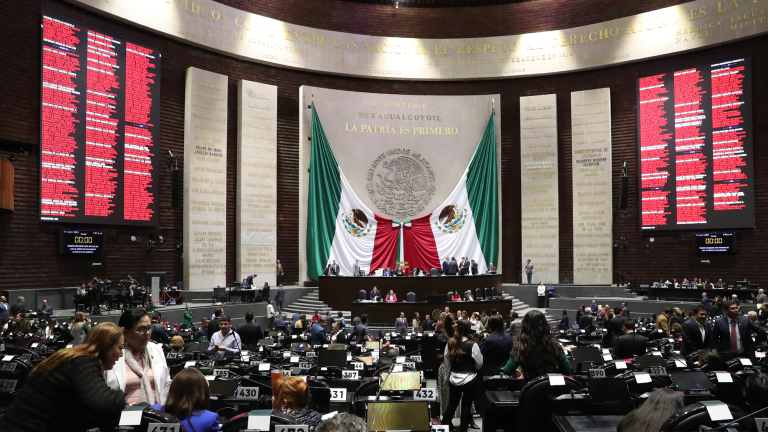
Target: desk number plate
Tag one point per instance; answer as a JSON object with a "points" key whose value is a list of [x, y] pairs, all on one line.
{"points": [[657, 370], [338, 394], [349, 374], [8, 385], [597, 373], [163, 427], [247, 393], [291, 428], [425, 394]]}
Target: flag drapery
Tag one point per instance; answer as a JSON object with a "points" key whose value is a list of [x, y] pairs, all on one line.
{"points": [[341, 228]]}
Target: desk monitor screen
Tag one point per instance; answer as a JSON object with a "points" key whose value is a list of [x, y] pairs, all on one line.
{"points": [[266, 342], [575, 326], [645, 362], [367, 360], [328, 357], [389, 416], [372, 345], [299, 347], [337, 347], [608, 390], [274, 333], [22, 343], [401, 381], [687, 381], [223, 387], [587, 354]]}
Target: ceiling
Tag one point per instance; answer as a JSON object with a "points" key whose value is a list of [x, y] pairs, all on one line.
{"points": [[438, 3]]}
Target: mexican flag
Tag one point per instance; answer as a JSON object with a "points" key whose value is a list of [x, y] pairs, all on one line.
{"points": [[341, 228]]}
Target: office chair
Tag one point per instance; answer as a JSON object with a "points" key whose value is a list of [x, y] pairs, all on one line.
{"points": [[690, 418], [534, 411], [361, 295], [479, 294]]}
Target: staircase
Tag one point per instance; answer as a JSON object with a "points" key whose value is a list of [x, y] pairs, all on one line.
{"points": [[522, 308], [308, 304]]}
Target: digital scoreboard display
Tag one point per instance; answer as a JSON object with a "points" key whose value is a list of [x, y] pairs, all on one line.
{"points": [[715, 242], [78, 242], [695, 135], [100, 128]]}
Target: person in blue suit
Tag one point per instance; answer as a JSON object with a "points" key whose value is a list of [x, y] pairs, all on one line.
{"points": [[188, 400], [318, 336]]}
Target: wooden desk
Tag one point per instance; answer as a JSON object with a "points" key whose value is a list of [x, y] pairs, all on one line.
{"points": [[338, 291], [380, 312]]}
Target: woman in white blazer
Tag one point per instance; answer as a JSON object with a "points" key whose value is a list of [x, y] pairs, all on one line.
{"points": [[141, 372]]}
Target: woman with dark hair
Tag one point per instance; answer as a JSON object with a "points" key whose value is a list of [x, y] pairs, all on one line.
{"points": [[536, 351], [495, 347], [141, 372], [456, 296], [291, 396], [70, 387], [653, 413], [756, 391], [579, 313], [463, 360], [188, 400]]}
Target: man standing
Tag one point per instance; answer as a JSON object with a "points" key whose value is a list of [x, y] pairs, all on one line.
{"points": [[761, 339], [249, 281], [213, 325], [564, 320], [514, 325], [733, 333], [5, 311], [158, 330], [428, 324], [614, 330], [705, 301], [401, 324], [335, 268], [465, 267], [593, 306], [453, 267], [585, 320], [696, 332], [202, 332], [280, 298], [762, 314], [473, 267], [250, 332], [225, 342], [491, 269], [18, 307], [630, 344], [361, 332], [624, 310], [45, 312], [528, 269], [279, 273], [662, 321], [761, 298], [317, 333], [445, 266], [356, 267], [735, 299]]}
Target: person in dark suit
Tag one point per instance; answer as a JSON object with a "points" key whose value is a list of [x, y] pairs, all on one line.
{"points": [[468, 296], [401, 324], [706, 301], [264, 294], [615, 328], [514, 325], [624, 310], [250, 332], [565, 322], [733, 332], [5, 311], [328, 271], [579, 313], [696, 332], [281, 324], [473, 267], [335, 268], [453, 267], [491, 269], [719, 284], [630, 344], [375, 294], [585, 320], [398, 272], [18, 307], [317, 335], [762, 314], [428, 324], [158, 330], [446, 263], [279, 298], [464, 268], [249, 281], [495, 347], [361, 332]]}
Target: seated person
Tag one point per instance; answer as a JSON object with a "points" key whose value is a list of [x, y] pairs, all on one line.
{"points": [[398, 271], [756, 391], [386, 272], [375, 294], [188, 400], [290, 395], [709, 357], [456, 296], [468, 296], [328, 271], [653, 413], [677, 330], [416, 271], [391, 297], [177, 343]]}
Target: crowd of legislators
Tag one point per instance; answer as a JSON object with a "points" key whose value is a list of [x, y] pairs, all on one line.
{"points": [[449, 267], [699, 283]]}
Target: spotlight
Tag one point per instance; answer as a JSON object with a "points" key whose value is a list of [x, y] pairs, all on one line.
{"points": [[135, 239], [160, 239]]}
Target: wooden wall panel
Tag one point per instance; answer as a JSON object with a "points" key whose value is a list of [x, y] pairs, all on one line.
{"points": [[27, 248]]}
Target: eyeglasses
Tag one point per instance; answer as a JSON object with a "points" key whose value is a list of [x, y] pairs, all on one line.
{"points": [[143, 329]]}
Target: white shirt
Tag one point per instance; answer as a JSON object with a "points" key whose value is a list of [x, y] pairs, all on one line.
{"points": [[457, 378], [703, 331], [541, 290], [231, 342]]}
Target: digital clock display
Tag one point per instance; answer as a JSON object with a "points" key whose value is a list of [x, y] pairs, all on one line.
{"points": [[78, 242], [715, 242]]}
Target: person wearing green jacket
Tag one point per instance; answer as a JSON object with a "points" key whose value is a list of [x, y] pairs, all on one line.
{"points": [[187, 317]]}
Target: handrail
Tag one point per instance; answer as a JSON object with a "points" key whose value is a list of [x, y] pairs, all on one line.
{"points": [[621, 279]]}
